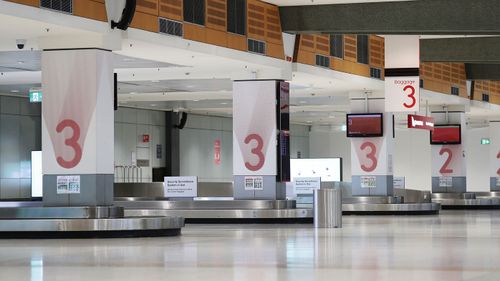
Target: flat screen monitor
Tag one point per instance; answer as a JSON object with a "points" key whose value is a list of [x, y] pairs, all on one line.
{"points": [[365, 125], [446, 134], [328, 169]]}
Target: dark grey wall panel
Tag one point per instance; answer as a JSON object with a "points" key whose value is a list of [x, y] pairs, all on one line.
{"points": [[20, 133], [404, 17]]}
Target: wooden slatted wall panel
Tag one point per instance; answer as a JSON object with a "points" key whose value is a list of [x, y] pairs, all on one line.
{"points": [[216, 22], [350, 48], [34, 3], [171, 9], [216, 14], [440, 77], [90, 9], [147, 6], [322, 43], [256, 16], [273, 25], [377, 51]]}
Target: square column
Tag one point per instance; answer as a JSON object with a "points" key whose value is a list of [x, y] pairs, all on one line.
{"points": [[495, 156], [371, 157], [448, 160], [77, 127], [261, 145]]}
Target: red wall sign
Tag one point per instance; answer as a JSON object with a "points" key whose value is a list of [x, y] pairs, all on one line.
{"points": [[145, 138], [217, 152], [420, 122]]}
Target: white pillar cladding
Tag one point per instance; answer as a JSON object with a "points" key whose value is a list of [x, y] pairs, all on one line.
{"points": [[402, 81], [77, 127], [260, 117], [371, 157], [448, 160], [494, 155]]}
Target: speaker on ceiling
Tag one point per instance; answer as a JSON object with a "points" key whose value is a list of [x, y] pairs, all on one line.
{"points": [[183, 121]]}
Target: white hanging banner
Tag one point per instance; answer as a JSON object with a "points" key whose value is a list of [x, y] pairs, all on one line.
{"points": [[254, 128], [402, 80]]}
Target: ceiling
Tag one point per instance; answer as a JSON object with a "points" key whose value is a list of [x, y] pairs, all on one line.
{"points": [[168, 73]]}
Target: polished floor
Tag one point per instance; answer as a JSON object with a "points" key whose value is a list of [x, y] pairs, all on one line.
{"points": [[456, 245]]}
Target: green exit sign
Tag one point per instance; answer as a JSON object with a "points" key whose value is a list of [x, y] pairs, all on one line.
{"points": [[485, 141], [35, 96]]}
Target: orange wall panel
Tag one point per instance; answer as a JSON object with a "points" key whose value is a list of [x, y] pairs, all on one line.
{"points": [[90, 9], [147, 6], [216, 14], [237, 42], [34, 3], [195, 32], [145, 22], [171, 9], [216, 37], [275, 51], [306, 57]]}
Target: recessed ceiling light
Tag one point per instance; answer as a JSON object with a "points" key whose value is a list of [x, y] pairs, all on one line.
{"points": [[128, 59], [309, 121], [20, 62], [133, 93], [153, 104], [14, 91], [331, 116], [196, 100], [223, 103], [302, 101], [155, 81]]}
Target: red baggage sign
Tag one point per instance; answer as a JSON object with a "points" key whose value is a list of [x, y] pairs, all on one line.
{"points": [[420, 122]]}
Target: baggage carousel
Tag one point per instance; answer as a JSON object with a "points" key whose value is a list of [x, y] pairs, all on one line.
{"points": [[218, 205], [27, 219], [468, 200]]}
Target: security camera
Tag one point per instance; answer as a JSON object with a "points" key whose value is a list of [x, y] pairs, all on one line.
{"points": [[20, 43]]}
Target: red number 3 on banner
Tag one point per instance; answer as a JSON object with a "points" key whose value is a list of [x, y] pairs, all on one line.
{"points": [[71, 142], [411, 96], [371, 156], [257, 151]]}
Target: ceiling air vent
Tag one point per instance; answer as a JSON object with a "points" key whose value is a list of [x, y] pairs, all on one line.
{"points": [[65, 6], [171, 27], [323, 61], [256, 46]]}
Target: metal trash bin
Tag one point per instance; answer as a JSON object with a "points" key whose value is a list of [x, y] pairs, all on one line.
{"points": [[328, 208]]}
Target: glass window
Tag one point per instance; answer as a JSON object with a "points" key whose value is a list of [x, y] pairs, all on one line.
{"points": [[236, 16], [194, 11], [337, 46], [363, 49]]}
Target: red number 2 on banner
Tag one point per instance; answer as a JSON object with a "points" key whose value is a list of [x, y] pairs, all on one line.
{"points": [[257, 151], [71, 142], [411, 95], [371, 156], [444, 169], [498, 157]]}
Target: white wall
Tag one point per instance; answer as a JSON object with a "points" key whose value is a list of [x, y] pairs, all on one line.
{"points": [[197, 147], [130, 125], [324, 142], [478, 176], [412, 156]]}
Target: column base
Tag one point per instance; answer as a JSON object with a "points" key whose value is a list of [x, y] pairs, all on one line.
{"points": [[270, 190], [383, 186], [458, 185], [95, 190]]}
